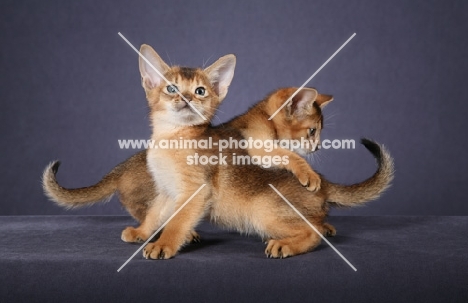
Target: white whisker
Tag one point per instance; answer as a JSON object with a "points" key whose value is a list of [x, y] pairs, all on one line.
{"points": [[220, 123], [170, 61], [331, 116], [205, 62], [317, 158]]}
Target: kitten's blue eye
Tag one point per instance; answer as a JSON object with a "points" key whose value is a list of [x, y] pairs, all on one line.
{"points": [[171, 89], [200, 91], [311, 132]]}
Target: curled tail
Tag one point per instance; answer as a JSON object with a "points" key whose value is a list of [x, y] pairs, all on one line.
{"points": [[370, 189], [70, 198]]}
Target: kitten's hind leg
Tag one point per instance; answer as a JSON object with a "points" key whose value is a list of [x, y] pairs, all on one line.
{"points": [[303, 241], [133, 235], [300, 243], [299, 239], [150, 223], [136, 235]]}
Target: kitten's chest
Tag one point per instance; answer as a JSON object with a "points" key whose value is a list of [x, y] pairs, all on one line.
{"points": [[163, 166]]}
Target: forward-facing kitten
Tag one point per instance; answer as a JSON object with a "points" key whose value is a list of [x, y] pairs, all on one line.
{"points": [[174, 118]]}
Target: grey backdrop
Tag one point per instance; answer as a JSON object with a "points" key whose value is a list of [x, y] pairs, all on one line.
{"points": [[70, 87]]}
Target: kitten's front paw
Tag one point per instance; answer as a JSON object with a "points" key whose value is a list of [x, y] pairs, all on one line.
{"points": [[133, 235], [309, 179], [192, 236], [330, 230], [157, 251], [278, 249]]}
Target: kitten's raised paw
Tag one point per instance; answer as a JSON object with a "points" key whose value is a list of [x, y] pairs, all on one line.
{"points": [[278, 249], [309, 179], [133, 235], [314, 183], [157, 251]]}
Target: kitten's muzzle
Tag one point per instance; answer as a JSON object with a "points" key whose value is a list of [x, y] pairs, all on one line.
{"points": [[180, 105]]}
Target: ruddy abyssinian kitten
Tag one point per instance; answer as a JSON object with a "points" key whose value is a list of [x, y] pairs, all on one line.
{"points": [[235, 196]]}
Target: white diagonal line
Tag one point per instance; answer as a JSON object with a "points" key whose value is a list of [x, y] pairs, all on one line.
{"points": [[313, 75], [313, 227], [161, 75], [162, 226]]}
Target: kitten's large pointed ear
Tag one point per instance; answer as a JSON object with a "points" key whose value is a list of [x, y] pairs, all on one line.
{"points": [[149, 77], [323, 100], [220, 74], [302, 102]]}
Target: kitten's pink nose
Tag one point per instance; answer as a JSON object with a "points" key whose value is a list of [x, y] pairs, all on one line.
{"points": [[187, 97]]}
